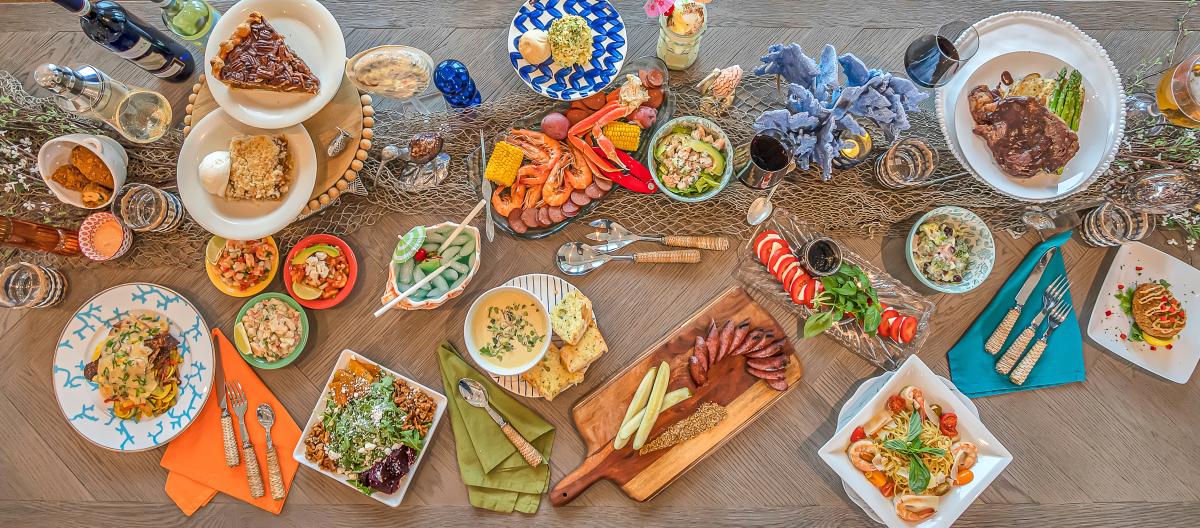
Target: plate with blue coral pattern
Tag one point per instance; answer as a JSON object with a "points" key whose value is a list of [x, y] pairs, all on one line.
{"points": [[79, 398], [581, 80]]}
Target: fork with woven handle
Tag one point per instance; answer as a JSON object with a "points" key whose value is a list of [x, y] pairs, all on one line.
{"points": [[1000, 334], [1054, 293], [1057, 316], [237, 397]]}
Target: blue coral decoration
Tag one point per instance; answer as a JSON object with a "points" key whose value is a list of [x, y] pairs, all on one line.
{"points": [[579, 81], [819, 107]]}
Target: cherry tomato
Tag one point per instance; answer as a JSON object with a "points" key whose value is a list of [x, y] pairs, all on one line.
{"points": [[949, 424], [421, 254], [895, 403], [888, 489], [858, 434]]}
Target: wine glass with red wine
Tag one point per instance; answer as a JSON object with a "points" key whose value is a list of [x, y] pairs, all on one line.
{"points": [[932, 59]]}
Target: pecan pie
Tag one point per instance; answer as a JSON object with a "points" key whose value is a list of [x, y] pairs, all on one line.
{"points": [[255, 57]]}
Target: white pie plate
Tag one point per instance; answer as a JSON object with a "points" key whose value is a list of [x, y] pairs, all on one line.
{"points": [[993, 457], [311, 32], [242, 219], [1178, 362], [391, 499], [1025, 42]]}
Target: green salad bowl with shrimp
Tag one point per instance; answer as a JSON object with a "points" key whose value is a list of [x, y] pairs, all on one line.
{"points": [[950, 250], [690, 158]]}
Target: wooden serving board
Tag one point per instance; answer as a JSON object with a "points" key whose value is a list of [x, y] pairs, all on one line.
{"points": [[598, 416], [348, 110]]}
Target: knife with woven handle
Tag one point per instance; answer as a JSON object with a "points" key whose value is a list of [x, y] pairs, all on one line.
{"points": [[1000, 335], [715, 243], [230, 443]]}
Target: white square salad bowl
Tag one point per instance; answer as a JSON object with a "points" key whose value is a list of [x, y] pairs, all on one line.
{"points": [[993, 457]]}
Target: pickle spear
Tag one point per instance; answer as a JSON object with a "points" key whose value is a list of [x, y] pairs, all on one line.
{"points": [[654, 406], [636, 404], [669, 401]]}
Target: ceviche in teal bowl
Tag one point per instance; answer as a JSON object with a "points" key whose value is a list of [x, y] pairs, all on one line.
{"points": [[951, 250], [691, 159]]}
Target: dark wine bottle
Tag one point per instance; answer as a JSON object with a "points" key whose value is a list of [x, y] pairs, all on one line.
{"points": [[109, 25]]}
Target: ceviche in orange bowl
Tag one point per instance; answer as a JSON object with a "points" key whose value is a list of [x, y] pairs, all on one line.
{"points": [[914, 452], [321, 271], [241, 268]]}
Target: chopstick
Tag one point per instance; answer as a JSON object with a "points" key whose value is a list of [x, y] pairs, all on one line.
{"points": [[428, 278]]}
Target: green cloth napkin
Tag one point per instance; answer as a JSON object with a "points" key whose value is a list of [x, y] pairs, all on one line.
{"points": [[973, 369], [496, 475]]}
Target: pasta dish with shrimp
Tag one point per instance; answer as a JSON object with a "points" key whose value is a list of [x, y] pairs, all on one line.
{"points": [[136, 366], [912, 453]]}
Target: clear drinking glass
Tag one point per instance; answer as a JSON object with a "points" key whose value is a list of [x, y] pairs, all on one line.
{"points": [[26, 285], [932, 59], [908, 163], [145, 208]]}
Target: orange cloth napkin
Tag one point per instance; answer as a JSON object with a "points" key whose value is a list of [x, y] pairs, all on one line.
{"points": [[196, 459]]}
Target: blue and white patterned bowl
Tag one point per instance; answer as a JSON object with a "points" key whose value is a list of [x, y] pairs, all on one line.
{"points": [[579, 81], [976, 233], [79, 398]]}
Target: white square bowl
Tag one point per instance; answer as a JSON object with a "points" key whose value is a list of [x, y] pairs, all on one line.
{"points": [[1178, 362], [391, 499], [993, 457]]}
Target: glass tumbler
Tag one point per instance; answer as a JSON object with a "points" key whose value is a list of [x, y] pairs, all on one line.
{"points": [[26, 285], [145, 208]]}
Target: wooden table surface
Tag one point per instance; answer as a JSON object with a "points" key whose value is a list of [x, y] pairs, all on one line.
{"points": [[1118, 449]]}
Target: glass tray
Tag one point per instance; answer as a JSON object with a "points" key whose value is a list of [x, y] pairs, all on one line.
{"points": [[881, 352]]}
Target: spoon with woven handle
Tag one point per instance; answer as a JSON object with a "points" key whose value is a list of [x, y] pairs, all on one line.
{"points": [[476, 394], [266, 418]]}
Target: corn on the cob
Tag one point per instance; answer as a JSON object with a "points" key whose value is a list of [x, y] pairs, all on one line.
{"points": [[503, 164], [625, 136]]}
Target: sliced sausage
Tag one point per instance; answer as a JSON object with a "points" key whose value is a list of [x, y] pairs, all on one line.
{"points": [[593, 191], [580, 198], [766, 374], [776, 362], [777, 384], [603, 183], [726, 340], [556, 215], [739, 336], [543, 214], [529, 216], [700, 349], [697, 373], [713, 342], [769, 350], [514, 222], [570, 209], [755, 338]]}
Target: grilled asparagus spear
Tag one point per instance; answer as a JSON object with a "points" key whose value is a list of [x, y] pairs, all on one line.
{"points": [[1059, 88]]}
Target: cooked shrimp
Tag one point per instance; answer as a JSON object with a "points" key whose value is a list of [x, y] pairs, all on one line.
{"points": [[863, 454], [914, 399], [505, 199], [965, 456], [914, 508]]}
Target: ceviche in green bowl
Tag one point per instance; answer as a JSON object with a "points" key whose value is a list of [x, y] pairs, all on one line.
{"points": [[692, 159]]}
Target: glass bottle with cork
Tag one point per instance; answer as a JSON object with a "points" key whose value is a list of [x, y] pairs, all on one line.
{"points": [[138, 114]]}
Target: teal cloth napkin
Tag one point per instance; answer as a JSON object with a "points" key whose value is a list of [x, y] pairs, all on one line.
{"points": [[974, 370]]}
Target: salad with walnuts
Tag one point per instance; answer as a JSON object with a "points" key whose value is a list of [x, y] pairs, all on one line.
{"points": [[372, 429]]}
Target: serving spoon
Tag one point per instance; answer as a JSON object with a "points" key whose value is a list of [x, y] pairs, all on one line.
{"points": [[266, 418], [476, 394], [577, 258]]}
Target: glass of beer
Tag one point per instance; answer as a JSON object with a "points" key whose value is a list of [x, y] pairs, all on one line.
{"points": [[1178, 93]]}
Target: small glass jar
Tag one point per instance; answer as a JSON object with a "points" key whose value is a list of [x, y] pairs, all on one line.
{"points": [[677, 50]]}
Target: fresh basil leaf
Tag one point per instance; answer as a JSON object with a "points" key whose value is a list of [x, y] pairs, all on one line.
{"points": [[918, 474], [914, 427], [936, 451], [896, 444], [817, 323], [870, 320], [1164, 283]]}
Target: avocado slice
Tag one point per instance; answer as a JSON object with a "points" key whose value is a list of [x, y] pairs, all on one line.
{"points": [[717, 156], [430, 264], [308, 252], [662, 145]]}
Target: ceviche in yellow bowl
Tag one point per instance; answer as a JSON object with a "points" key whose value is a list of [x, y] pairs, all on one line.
{"points": [[911, 452]]}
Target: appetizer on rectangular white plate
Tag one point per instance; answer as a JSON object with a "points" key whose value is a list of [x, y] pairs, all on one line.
{"points": [[370, 428], [913, 453], [1141, 312]]}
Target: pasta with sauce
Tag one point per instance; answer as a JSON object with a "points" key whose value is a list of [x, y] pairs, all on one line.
{"points": [[136, 366]]}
